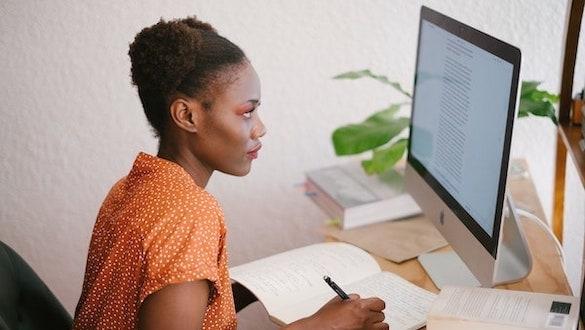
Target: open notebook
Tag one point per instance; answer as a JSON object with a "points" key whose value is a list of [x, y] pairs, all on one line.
{"points": [[291, 285]]}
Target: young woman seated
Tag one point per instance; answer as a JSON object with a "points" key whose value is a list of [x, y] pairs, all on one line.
{"points": [[157, 257]]}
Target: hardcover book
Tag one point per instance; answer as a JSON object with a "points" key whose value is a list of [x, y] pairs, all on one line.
{"points": [[350, 196]]}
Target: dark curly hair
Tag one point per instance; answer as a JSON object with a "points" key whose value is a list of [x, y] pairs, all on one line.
{"points": [[184, 55]]}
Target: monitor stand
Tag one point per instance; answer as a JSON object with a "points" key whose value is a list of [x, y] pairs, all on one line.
{"points": [[513, 262]]}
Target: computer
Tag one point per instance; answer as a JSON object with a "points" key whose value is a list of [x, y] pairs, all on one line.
{"points": [[463, 110]]}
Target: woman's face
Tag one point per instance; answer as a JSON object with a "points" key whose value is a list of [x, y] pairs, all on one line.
{"points": [[229, 134]]}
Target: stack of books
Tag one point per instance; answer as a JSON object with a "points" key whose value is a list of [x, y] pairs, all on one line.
{"points": [[352, 198]]}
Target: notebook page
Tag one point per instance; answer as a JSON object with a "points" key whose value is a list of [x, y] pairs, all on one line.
{"points": [[295, 275], [407, 305]]}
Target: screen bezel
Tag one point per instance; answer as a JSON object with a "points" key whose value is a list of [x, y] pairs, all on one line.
{"points": [[507, 53]]}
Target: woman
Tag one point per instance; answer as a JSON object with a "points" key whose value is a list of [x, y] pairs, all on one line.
{"points": [[157, 257]]}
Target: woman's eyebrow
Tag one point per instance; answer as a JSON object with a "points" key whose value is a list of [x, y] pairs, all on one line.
{"points": [[254, 102]]}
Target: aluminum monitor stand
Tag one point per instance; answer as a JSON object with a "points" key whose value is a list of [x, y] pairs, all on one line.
{"points": [[513, 262]]}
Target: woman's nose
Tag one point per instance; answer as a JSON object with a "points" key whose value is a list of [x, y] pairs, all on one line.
{"points": [[259, 130]]}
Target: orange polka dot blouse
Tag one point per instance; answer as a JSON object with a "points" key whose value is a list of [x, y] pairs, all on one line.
{"points": [[156, 227]]}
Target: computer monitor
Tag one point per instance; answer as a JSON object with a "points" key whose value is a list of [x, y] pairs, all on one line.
{"points": [[463, 110]]}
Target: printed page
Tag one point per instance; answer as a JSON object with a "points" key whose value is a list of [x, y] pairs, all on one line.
{"points": [[407, 305], [506, 307], [293, 276]]}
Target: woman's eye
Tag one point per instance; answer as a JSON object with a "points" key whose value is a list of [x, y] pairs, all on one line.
{"points": [[248, 114]]}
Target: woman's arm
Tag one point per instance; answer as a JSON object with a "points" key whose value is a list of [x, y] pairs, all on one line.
{"points": [[176, 306], [242, 296]]}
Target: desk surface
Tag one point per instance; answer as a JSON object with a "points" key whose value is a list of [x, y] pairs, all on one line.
{"points": [[547, 275]]}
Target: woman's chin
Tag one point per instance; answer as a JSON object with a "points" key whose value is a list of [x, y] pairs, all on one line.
{"points": [[240, 171]]}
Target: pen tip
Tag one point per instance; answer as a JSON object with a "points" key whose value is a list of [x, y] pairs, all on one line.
{"points": [[325, 277]]}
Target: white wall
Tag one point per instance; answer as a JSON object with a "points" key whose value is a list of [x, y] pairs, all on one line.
{"points": [[71, 123], [574, 229]]}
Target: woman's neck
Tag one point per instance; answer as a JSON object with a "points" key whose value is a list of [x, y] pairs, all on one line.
{"points": [[180, 154]]}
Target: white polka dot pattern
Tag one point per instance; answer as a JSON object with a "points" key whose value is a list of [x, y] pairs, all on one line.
{"points": [[156, 227]]}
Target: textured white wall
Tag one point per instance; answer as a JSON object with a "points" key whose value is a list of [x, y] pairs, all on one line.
{"points": [[574, 229], [71, 124]]}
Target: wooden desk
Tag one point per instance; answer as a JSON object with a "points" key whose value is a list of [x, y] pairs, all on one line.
{"points": [[547, 275]]}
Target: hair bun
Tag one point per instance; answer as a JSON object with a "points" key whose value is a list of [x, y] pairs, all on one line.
{"points": [[160, 51], [194, 23], [182, 55]]}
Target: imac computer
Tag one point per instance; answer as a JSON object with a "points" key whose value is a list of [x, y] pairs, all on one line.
{"points": [[463, 110]]}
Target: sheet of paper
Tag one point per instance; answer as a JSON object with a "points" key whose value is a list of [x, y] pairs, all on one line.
{"points": [[397, 240], [525, 309], [295, 275], [407, 305]]}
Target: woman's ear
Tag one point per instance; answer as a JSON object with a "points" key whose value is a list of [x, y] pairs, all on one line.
{"points": [[185, 113]]}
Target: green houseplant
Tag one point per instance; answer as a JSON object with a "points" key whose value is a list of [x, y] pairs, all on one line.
{"points": [[383, 131]]}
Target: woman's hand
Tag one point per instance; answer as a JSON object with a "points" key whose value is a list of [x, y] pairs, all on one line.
{"points": [[353, 313]]}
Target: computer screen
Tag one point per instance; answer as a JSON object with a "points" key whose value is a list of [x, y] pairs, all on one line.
{"points": [[463, 106]]}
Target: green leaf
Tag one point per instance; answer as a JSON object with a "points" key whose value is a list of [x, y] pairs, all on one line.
{"points": [[528, 87], [385, 115], [367, 73], [534, 101], [385, 158], [352, 75], [544, 96], [537, 108], [356, 138], [530, 91]]}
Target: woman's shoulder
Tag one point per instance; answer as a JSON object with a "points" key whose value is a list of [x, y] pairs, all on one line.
{"points": [[184, 214], [178, 190], [173, 201]]}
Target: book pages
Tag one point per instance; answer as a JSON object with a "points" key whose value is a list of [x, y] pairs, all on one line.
{"points": [[407, 305], [502, 308], [291, 285], [295, 275]]}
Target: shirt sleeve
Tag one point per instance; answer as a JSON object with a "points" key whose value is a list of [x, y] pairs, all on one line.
{"points": [[183, 247]]}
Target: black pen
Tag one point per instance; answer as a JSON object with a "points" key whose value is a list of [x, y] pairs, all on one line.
{"points": [[335, 288]]}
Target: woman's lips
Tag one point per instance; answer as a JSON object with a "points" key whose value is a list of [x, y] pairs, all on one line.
{"points": [[253, 154]]}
